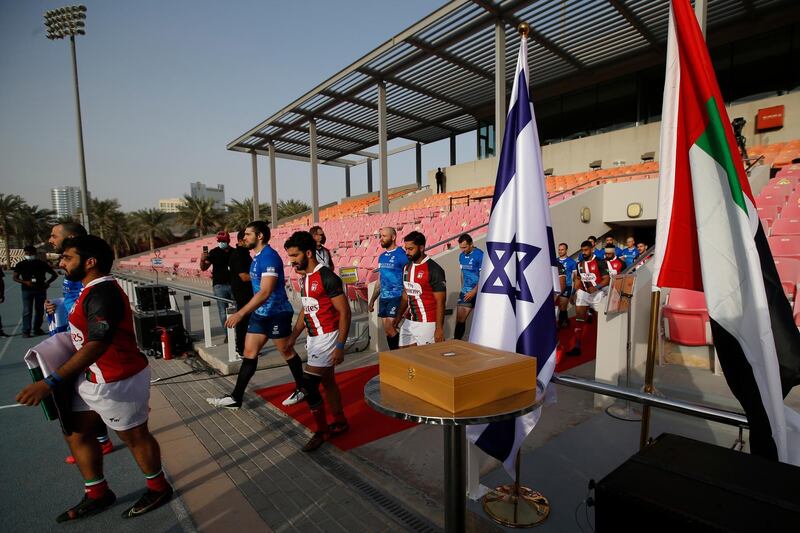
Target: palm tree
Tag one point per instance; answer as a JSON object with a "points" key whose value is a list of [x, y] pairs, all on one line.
{"points": [[9, 208], [33, 224], [200, 213], [118, 233], [287, 208], [149, 224], [104, 213], [241, 213]]}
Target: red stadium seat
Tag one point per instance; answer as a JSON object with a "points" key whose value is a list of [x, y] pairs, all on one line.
{"points": [[763, 200], [789, 274], [686, 319], [785, 246], [768, 211], [791, 211], [786, 226]]}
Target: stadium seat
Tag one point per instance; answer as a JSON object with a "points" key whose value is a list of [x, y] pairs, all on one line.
{"points": [[789, 274], [791, 211], [768, 211], [785, 246], [686, 319], [763, 200], [786, 226]]}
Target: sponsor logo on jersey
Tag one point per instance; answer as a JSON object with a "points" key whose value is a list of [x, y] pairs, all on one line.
{"points": [[314, 286], [310, 305], [413, 289]]}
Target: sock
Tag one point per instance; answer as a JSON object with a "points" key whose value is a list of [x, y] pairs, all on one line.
{"points": [[95, 488], [562, 317], [246, 372], [393, 342], [296, 368], [579, 327], [156, 482], [460, 328], [102, 439], [320, 417]]}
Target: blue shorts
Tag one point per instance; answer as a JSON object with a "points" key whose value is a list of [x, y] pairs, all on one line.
{"points": [[461, 301], [274, 327], [387, 307], [566, 293]]}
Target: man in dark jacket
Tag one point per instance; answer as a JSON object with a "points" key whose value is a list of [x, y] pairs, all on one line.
{"points": [[31, 274], [241, 287]]}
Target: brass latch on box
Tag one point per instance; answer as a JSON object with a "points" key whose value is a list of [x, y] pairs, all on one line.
{"points": [[411, 373]]}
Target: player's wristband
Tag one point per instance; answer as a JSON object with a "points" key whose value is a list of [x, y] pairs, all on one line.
{"points": [[51, 381], [340, 346]]}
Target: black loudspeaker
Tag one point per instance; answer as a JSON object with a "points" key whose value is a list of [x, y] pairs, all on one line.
{"points": [[144, 325], [682, 485], [148, 296]]}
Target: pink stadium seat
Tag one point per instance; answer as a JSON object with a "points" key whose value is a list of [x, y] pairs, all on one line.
{"points": [[789, 274], [763, 200], [786, 226], [768, 211], [791, 211], [785, 246], [779, 187], [686, 319]]}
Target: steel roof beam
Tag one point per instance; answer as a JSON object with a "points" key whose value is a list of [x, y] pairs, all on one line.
{"points": [[415, 88], [507, 16], [439, 51], [636, 23], [331, 135]]}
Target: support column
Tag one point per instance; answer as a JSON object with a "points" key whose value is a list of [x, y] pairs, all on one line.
{"points": [[384, 163], [312, 132], [273, 188], [419, 165], [499, 86], [452, 149], [701, 12], [254, 159], [369, 175], [347, 182]]}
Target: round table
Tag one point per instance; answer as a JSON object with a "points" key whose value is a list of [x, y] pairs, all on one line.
{"points": [[397, 404]]}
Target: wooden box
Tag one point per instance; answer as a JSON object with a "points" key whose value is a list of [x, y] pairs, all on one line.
{"points": [[457, 375]]}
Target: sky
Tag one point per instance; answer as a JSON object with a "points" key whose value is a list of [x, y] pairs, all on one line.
{"points": [[166, 85]]}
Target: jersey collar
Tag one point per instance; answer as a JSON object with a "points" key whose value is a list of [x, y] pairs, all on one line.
{"points": [[98, 280]]}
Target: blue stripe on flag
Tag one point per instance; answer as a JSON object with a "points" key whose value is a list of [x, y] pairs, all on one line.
{"points": [[498, 438], [540, 337], [518, 117]]}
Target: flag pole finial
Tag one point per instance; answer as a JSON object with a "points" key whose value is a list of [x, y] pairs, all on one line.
{"points": [[523, 29]]}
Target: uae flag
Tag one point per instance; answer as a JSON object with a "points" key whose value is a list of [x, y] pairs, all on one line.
{"points": [[709, 238]]}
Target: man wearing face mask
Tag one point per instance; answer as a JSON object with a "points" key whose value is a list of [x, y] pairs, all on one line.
{"points": [[31, 273], [323, 254], [219, 260]]}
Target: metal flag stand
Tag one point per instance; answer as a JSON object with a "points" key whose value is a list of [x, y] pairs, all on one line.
{"points": [[513, 505]]}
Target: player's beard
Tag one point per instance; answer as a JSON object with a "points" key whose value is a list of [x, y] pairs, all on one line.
{"points": [[415, 257], [302, 266], [386, 245], [76, 274]]}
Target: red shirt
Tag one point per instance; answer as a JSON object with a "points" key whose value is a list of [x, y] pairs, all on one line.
{"points": [[420, 281], [103, 313], [615, 266], [590, 273], [317, 290]]}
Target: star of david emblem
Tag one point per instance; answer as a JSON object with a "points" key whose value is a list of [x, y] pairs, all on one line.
{"points": [[498, 282]]}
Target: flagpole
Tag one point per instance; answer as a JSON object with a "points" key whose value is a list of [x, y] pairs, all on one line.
{"points": [[514, 505], [652, 343]]}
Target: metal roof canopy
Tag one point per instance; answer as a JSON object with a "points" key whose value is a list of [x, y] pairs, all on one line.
{"points": [[439, 73]]}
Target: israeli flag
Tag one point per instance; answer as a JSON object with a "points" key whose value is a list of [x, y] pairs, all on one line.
{"points": [[514, 310]]}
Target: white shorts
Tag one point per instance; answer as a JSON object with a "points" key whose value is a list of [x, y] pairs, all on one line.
{"points": [[320, 349], [418, 333], [122, 404], [584, 299]]}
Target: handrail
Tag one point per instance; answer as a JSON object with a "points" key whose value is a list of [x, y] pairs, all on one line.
{"points": [[640, 260], [211, 296], [754, 162], [678, 406]]}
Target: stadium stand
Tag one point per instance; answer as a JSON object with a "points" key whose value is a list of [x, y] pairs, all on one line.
{"points": [[685, 318]]}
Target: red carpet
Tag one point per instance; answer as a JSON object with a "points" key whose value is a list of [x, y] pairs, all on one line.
{"points": [[566, 341], [366, 424]]}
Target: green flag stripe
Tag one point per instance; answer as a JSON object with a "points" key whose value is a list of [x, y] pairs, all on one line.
{"points": [[714, 142]]}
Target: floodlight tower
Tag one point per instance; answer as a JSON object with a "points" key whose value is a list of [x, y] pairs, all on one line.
{"points": [[69, 22]]}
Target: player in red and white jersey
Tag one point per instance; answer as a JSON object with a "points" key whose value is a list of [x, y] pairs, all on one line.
{"points": [[111, 380], [326, 317], [422, 302], [614, 265], [591, 281]]}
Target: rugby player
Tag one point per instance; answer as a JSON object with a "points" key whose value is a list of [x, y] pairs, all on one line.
{"points": [[591, 279], [389, 286], [470, 260]]}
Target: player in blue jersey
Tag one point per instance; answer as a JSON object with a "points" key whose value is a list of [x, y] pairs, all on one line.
{"points": [[609, 242], [270, 317], [60, 307], [629, 253], [469, 260], [389, 287], [569, 265]]}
